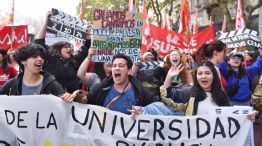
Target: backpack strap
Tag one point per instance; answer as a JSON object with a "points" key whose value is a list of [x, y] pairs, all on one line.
{"points": [[115, 99]]}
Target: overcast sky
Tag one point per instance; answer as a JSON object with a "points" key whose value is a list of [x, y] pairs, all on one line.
{"points": [[36, 9]]}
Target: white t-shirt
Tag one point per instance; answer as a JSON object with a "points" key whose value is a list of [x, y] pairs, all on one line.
{"points": [[206, 105]]}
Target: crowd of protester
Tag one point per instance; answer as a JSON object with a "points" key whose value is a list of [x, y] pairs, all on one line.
{"points": [[184, 83]]}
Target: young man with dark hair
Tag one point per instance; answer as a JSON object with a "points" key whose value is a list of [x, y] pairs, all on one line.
{"points": [[32, 80], [120, 91]]}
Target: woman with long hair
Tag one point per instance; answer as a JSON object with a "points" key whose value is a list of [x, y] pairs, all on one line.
{"points": [[173, 60], [207, 91], [205, 94], [6, 71], [11, 59], [238, 77], [61, 60], [215, 53]]}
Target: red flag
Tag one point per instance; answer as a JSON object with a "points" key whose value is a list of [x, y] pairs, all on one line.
{"points": [[205, 36], [146, 30], [132, 6], [82, 10], [184, 30], [184, 18], [224, 26], [240, 21], [20, 36], [165, 40], [196, 24]]}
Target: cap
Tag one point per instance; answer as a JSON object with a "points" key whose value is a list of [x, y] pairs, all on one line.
{"points": [[236, 54], [146, 54]]}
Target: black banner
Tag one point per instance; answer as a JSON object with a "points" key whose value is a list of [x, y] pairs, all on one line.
{"points": [[240, 38], [62, 25]]}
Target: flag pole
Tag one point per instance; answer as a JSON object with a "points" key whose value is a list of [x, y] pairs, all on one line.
{"points": [[12, 21], [82, 9]]}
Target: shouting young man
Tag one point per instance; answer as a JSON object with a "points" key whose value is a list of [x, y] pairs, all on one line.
{"points": [[120, 91]]}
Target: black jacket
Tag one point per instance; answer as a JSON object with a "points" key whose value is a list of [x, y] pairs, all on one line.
{"points": [[65, 71], [160, 75], [100, 91], [179, 92], [50, 85]]}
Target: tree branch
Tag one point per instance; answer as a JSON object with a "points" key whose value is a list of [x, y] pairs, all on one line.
{"points": [[250, 9], [171, 7], [159, 13], [258, 5]]}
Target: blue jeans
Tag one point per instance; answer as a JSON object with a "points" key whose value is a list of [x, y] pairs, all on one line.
{"points": [[159, 108]]}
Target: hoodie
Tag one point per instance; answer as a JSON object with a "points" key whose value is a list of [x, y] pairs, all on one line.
{"points": [[50, 85]]}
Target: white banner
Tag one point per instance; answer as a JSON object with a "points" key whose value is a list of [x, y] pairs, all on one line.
{"points": [[48, 121]]}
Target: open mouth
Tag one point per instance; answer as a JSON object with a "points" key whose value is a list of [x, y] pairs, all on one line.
{"points": [[68, 52], [40, 65], [204, 82], [175, 61], [117, 75]]}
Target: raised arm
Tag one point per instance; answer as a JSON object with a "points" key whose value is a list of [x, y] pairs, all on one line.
{"points": [[173, 71], [42, 32], [81, 54], [135, 68], [82, 71]]}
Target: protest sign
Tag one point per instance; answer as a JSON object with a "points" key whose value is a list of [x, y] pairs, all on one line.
{"points": [[46, 120], [63, 27], [149, 65], [19, 39], [116, 32], [240, 38], [147, 69]]}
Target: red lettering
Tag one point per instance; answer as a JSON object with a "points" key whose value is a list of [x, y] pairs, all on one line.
{"points": [[104, 52], [109, 15], [97, 14]]}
